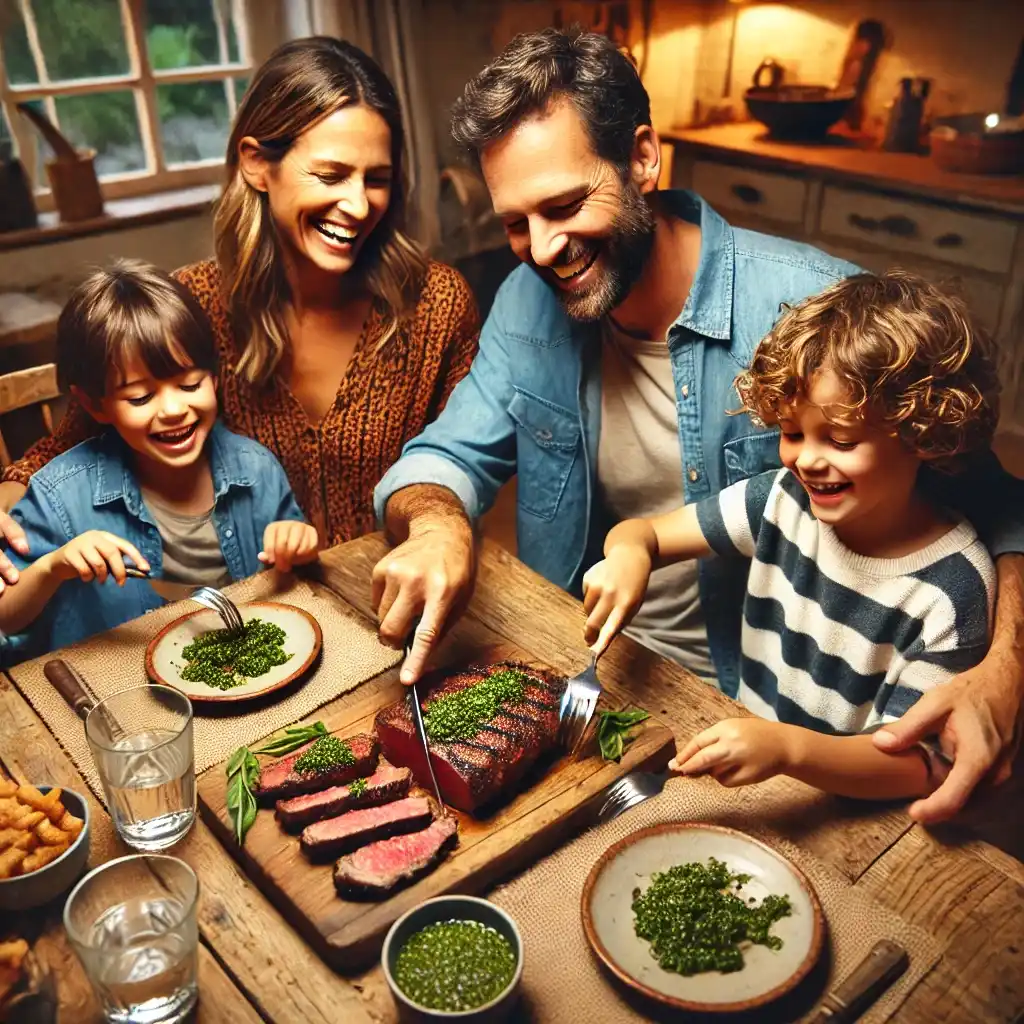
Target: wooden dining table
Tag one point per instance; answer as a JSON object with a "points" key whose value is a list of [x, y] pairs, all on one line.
{"points": [[964, 891]]}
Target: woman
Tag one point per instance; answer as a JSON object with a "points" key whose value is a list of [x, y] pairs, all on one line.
{"points": [[338, 339]]}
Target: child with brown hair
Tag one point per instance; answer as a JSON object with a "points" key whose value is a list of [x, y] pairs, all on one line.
{"points": [[862, 592], [165, 487]]}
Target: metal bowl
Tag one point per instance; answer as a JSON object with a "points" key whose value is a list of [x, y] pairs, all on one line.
{"points": [[797, 111]]}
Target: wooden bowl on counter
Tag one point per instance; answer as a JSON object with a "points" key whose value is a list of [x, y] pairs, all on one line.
{"points": [[799, 112]]}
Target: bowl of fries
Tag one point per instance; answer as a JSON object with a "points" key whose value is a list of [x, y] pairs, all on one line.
{"points": [[44, 843]]}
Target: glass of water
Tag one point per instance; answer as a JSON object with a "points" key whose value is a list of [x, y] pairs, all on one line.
{"points": [[132, 922], [141, 741]]}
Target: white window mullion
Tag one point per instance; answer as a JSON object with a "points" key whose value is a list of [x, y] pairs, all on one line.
{"points": [[134, 17], [28, 17], [223, 54]]}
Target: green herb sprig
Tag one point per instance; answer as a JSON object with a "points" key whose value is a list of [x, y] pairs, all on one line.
{"points": [[357, 787], [292, 738], [243, 772], [613, 731]]}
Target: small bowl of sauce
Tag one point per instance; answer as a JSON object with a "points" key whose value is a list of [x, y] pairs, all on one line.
{"points": [[454, 958]]}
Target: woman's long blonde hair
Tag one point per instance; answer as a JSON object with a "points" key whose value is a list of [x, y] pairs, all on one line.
{"points": [[301, 83]]}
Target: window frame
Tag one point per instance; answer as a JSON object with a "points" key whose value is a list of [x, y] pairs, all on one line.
{"points": [[142, 80]]}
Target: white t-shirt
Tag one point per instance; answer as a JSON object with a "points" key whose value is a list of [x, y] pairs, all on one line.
{"points": [[640, 474]]}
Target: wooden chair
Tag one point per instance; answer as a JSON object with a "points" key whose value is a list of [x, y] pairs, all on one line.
{"points": [[22, 388]]}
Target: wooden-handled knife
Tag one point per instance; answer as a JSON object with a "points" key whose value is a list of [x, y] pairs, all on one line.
{"points": [[866, 982]]}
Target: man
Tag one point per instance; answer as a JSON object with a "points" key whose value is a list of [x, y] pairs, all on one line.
{"points": [[604, 380]]}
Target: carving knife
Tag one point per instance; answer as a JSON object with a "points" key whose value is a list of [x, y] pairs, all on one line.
{"points": [[417, 715]]}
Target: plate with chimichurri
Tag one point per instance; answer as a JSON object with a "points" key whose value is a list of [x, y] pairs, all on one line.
{"points": [[702, 918], [195, 654]]}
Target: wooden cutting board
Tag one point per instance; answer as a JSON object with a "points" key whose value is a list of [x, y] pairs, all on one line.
{"points": [[555, 804]]}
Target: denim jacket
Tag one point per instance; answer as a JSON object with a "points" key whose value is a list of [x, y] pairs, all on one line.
{"points": [[531, 406], [93, 487]]}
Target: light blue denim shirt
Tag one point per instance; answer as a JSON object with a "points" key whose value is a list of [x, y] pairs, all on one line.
{"points": [[93, 487], [531, 405]]}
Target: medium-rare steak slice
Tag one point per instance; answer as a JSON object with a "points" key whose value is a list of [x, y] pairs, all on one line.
{"points": [[281, 778], [387, 783], [325, 839], [472, 770], [378, 869]]}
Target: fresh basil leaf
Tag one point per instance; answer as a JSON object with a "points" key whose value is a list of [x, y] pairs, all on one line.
{"points": [[236, 760], [613, 731]]}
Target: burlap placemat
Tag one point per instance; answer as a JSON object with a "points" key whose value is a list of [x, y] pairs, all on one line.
{"points": [[562, 980], [112, 661]]}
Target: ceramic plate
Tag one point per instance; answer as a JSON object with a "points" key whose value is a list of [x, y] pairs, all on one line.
{"points": [[766, 975], [303, 641]]}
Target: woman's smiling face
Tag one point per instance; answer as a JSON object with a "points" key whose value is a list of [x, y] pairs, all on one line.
{"points": [[331, 189]]}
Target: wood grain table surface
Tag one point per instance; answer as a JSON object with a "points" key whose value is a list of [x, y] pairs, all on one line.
{"points": [[965, 891]]}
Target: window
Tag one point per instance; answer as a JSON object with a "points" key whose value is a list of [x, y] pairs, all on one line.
{"points": [[151, 85]]}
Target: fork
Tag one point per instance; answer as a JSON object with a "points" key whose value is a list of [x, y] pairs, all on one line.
{"points": [[629, 791], [578, 704], [217, 601]]}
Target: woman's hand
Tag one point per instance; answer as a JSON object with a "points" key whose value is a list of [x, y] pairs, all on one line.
{"points": [[289, 543], [736, 752], [613, 591], [11, 533], [93, 555]]}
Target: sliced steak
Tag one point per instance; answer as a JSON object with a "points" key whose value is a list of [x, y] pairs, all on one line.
{"points": [[376, 870], [387, 783], [326, 839], [279, 779], [472, 772]]}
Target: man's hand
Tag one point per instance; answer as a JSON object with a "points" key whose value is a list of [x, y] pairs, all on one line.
{"points": [[11, 534], [976, 717], [736, 752], [288, 543], [429, 575]]}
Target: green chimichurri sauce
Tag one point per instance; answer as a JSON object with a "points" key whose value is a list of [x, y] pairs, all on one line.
{"points": [[326, 753], [223, 660], [455, 965], [695, 919], [461, 715]]}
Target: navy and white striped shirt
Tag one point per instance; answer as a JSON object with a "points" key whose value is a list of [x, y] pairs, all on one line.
{"points": [[832, 640]]}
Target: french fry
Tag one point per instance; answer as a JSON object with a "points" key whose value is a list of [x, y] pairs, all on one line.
{"points": [[30, 820], [42, 856], [8, 787], [10, 862], [33, 797], [11, 819], [50, 835], [10, 836], [13, 952], [69, 823], [56, 811]]}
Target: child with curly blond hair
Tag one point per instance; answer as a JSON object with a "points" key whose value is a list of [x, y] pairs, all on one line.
{"points": [[863, 592]]}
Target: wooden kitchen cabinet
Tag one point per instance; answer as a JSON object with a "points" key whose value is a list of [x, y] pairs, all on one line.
{"points": [[878, 210]]}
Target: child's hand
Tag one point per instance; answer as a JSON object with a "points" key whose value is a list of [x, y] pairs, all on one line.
{"points": [[288, 543], [736, 752], [613, 590], [93, 556]]}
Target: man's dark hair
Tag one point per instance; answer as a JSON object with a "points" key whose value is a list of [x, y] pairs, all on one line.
{"points": [[599, 80]]}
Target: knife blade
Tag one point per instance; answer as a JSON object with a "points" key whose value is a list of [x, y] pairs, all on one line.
{"points": [[421, 730], [865, 983]]}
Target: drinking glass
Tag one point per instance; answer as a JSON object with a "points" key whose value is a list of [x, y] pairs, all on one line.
{"points": [[141, 741], [132, 922]]}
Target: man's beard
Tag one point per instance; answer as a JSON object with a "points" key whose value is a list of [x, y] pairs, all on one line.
{"points": [[624, 254]]}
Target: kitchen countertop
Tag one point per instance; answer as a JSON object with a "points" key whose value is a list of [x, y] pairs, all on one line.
{"points": [[848, 160]]}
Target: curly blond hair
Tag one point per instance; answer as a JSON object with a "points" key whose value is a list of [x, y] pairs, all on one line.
{"points": [[909, 354]]}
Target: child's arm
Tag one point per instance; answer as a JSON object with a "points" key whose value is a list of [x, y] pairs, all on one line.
{"points": [[94, 555], [742, 751]]}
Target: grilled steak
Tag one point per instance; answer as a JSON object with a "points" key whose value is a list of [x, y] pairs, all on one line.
{"points": [[380, 868], [472, 772], [384, 785], [280, 779], [325, 839]]}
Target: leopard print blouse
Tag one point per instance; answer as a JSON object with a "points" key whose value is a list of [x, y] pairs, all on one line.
{"points": [[385, 398]]}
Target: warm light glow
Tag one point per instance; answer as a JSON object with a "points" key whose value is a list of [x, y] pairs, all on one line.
{"points": [[992, 120]]}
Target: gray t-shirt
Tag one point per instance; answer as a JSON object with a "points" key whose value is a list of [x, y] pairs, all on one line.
{"points": [[639, 475], [192, 552]]}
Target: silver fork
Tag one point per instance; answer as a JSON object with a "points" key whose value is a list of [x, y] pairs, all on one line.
{"points": [[216, 601], [578, 704], [630, 790]]}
